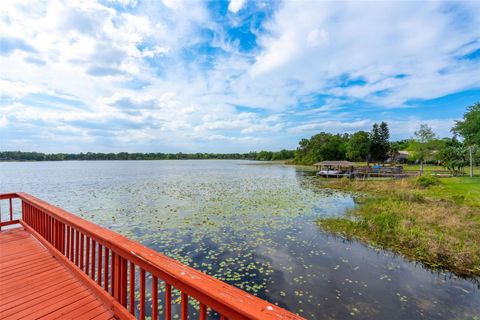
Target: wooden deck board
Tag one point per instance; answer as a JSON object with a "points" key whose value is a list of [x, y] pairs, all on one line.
{"points": [[34, 285]]}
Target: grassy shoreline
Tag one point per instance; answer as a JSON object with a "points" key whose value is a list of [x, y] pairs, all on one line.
{"points": [[433, 221]]}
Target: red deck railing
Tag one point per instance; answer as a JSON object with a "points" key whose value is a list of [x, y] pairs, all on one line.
{"points": [[117, 268]]}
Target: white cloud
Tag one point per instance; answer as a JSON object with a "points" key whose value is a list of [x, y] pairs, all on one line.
{"points": [[318, 42], [16, 89], [236, 5], [139, 79]]}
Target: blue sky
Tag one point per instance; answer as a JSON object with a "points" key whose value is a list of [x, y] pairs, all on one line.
{"points": [[229, 76]]}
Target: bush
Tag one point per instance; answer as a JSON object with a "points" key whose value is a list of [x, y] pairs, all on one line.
{"points": [[427, 181]]}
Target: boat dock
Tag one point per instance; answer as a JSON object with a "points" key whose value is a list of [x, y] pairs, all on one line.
{"points": [[346, 169]]}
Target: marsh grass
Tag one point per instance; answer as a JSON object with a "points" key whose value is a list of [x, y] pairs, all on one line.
{"points": [[419, 218]]}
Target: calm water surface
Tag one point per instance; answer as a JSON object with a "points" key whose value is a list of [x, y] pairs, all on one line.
{"points": [[253, 226]]}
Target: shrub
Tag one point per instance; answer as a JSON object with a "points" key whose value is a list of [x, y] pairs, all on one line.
{"points": [[427, 181]]}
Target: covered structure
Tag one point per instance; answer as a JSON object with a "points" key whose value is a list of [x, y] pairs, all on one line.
{"points": [[335, 168]]}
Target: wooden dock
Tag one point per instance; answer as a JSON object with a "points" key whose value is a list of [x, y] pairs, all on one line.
{"points": [[35, 285], [55, 265]]}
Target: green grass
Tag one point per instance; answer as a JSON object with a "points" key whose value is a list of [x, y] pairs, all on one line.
{"points": [[437, 225], [461, 190], [428, 168]]}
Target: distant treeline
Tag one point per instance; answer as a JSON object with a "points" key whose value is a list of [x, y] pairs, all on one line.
{"points": [[38, 156]]}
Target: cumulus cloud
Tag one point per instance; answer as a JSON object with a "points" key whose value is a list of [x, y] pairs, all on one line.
{"points": [[182, 76], [236, 5]]}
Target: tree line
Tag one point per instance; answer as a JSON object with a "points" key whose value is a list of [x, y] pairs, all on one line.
{"points": [[39, 156]]}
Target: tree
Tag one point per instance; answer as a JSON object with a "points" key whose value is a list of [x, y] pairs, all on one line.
{"points": [[453, 156], [358, 146], [469, 129], [379, 144], [422, 146], [322, 146]]}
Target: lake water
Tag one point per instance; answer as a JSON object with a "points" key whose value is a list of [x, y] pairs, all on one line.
{"points": [[252, 225]]}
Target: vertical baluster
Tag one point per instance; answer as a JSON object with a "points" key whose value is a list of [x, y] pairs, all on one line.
{"points": [[154, 298], [203, 312], [115, 276], [34, 225], [123, 281], [52, 228], [168, 301], [184, 307], [67, 251], [132, 288], [77, 243], [72, 244], [55, 234], [59, 236], [22, 212], [48, 227], [81, 250], [142, 294], [45, 226], [105, 269], [11, 209], [62, 232], [87, 255], [92, 270], [33, 219], [24, 216], [41, 222], [99, 269]]}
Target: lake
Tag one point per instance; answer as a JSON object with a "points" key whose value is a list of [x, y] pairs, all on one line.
{"points": [[252, 225]]}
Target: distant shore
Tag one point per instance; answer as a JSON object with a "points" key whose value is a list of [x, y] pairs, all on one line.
{"points": [[21, 156]]}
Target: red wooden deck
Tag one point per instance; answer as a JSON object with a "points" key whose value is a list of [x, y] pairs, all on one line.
{"points": [[35, 285], [58, 265]]}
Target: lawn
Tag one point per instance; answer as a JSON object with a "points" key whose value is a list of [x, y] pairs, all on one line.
{"points": [[461, 190]]}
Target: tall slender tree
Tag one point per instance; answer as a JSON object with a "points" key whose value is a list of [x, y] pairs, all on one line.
{"points": [[379, 142]]}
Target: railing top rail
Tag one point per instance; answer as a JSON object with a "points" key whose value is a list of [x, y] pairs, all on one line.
{"points": [[206, 289], [8, 196]]}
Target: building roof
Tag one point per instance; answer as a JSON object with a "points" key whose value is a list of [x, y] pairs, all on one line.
{"points": [[342, 163]]}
